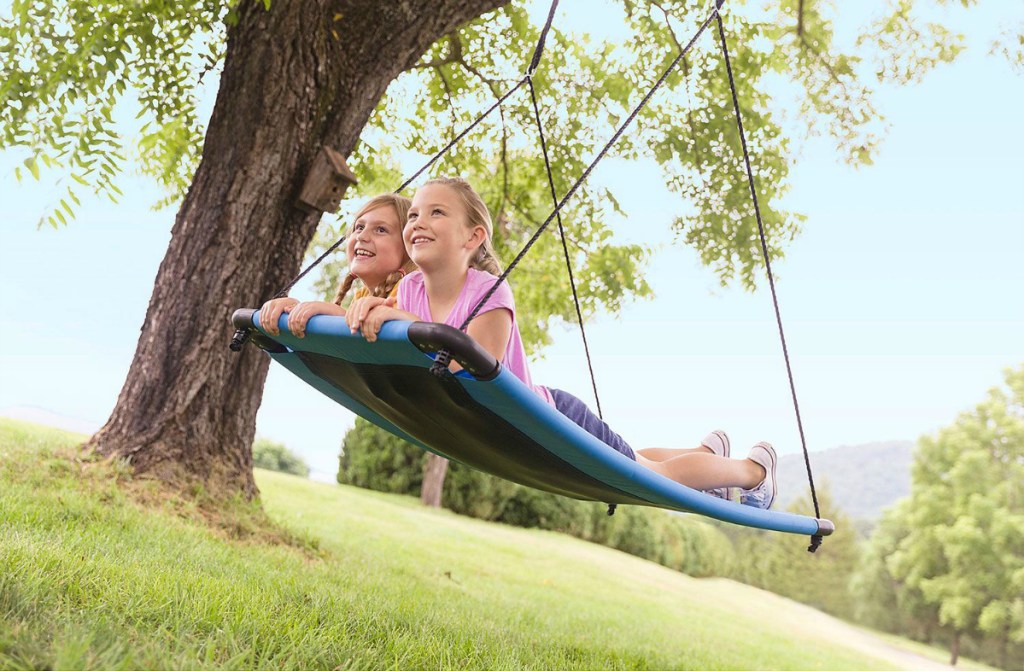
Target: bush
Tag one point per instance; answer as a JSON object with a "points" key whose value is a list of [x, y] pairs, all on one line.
{"points": [[533, 508], [374, 459], [276, 457], [476, 494]]}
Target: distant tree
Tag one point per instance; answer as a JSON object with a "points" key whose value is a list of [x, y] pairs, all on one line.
{"points": [[964, 543], [780, 563], [276, 457], [883, 601], [378, 460]]}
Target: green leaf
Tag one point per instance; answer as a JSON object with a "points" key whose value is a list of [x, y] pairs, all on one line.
{"points": [[33, 166]]}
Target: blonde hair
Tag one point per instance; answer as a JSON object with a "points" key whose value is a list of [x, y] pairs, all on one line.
{"points": [[400, 204], [477, 214]]}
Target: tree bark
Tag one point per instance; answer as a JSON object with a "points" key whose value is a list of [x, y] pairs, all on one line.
{"points": [[434, 472], [296, 78], [954, 651]]}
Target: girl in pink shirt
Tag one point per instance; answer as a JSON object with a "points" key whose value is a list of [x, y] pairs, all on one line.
{"points": [[448, 236]]}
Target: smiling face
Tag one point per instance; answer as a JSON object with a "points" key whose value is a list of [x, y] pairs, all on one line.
{"points": [[375, 248], [437, 232]]}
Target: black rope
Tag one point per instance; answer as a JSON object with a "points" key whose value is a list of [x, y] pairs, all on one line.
{"points": [[535, 61], [565, 247], [461, 135], [284, 292], [444, 356], [815, 539]]}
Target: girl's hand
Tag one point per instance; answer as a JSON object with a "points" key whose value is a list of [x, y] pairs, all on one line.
{"points": [[359, 309], [301, 313], [271, 313], [377, 316]]}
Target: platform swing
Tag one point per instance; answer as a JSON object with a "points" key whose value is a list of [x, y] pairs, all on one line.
{"points": [[484, 416]]}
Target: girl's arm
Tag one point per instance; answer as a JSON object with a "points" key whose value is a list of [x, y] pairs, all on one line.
{"points": [[300, 314], [493, 330]]}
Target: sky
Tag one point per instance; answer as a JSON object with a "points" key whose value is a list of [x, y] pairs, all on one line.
{"points": [[902, 301]]}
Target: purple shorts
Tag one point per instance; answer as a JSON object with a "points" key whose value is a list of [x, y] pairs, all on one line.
{"points": [[581, 415]]}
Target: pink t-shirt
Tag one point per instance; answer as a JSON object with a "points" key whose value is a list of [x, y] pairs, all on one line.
{"points": [[412, 297]]}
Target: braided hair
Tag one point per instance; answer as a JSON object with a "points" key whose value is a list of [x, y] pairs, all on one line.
{"points": [[382, 290]]}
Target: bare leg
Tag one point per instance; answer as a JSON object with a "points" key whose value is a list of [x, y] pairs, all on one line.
{"points": [[663, 453], [700, 470]]}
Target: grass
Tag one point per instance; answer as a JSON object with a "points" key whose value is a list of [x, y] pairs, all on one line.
{"points": [[92, 579]]}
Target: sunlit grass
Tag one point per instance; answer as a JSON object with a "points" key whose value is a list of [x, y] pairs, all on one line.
{"points": [[91, 579]]}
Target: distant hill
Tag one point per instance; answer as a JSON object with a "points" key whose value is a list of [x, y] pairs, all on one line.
{"points": [[862, 479], [36, 415]]}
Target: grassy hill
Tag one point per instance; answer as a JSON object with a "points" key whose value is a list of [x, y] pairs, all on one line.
{"points": [[863, 479], [341, 578]]}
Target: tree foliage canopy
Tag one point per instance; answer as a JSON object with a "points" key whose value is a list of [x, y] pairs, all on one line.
{"points": [[955, 548], [73, 67], [71, 71]]}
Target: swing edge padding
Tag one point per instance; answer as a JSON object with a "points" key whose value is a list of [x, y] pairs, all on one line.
{"points": [[402, 343]]}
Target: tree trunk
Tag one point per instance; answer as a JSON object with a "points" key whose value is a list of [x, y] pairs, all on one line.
{"points": [[296, 78], [954, 649], [434, 472]]}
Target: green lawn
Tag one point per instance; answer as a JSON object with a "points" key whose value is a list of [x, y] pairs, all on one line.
{"points": [[91, 580]]}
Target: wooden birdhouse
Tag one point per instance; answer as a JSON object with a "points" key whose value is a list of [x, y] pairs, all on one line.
{"points": [[326, 183]]}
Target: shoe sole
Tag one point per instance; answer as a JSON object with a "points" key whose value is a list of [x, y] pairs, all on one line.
{"points": [[725, 440], [775, 462], [720, 492]]}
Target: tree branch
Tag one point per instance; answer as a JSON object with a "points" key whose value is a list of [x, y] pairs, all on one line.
{"points": [[824, 62], [457, 56], [449, 95], [454, 55], [698, 158]]}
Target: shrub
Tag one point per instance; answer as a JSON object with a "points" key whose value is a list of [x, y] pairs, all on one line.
{"points": [[276, 457], [374, 459], [475, 494]]}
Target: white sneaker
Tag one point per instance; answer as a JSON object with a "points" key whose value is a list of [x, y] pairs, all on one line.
{"points": [[718, 443], [762, 496]]}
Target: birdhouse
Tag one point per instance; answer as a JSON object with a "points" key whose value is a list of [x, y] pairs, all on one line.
{"points": [[326, 183]]}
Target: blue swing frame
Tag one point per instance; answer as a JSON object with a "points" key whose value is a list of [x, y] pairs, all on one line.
{"points": [[483, 416]]}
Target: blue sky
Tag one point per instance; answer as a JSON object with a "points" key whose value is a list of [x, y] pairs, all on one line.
{"points": [[903, 300]]}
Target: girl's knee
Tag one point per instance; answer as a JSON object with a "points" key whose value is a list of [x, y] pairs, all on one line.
{"points": [[655, 466]]}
